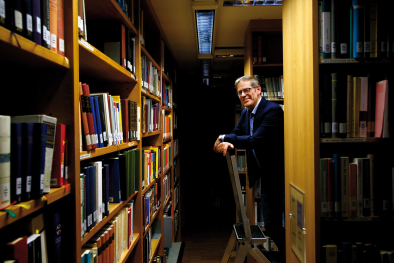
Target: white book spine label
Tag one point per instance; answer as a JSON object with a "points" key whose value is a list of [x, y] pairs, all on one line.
{"points": [[18, 19], [2, 9], [61, 45], [344, 48], [5, 194], [42, 181], [80, 23], [29, 22], [38, 24], [28, 183], [19, 185]]}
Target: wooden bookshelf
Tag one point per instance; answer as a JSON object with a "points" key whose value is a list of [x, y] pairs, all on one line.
{"points": [[32, 205], [58, 96]]}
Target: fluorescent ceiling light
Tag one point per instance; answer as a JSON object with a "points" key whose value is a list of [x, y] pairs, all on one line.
{"points": [[205, 20], [251, 2]]}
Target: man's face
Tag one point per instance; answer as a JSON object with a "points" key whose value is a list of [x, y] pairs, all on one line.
{"points": [[250, 99]]}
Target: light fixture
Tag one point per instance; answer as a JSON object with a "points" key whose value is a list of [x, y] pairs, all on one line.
{"points": [[204, 20]]}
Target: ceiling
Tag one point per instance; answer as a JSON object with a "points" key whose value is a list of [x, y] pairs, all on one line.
{"points": [[176, 18]]}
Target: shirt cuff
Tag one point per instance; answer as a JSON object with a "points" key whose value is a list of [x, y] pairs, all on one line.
{"points": [[221, 137]]}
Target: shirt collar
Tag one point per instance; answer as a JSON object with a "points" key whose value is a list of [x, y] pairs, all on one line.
{"points": [[255, 108]]}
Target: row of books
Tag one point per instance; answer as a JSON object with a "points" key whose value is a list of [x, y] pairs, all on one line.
{"points": [[34, 157], [167, 126], [166, 186], [41, 21], [41, 243], [167, 156], [259, 48], [357, 252], [167, 95], [151, 113], [150, 77], [147, 255], [151, 202], [353, 107], [113, 239], [258, 214], [108, 181], [151, 164], [176, 147], [271, 87], [357, 187], [355, 29], [106, 120]]}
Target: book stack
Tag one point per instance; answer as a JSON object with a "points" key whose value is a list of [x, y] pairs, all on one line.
{"points": [[166, 156], [167, 95], [113, 239], [106, 120], [355, 29], [151, 164], [353, 107], [151, 115], [151, 202], [38, 21], [151, 81], [351, 188]]}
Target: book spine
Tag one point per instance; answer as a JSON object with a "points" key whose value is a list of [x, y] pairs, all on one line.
{"points": [[373, 27], [360, 179], [334, 28], [46, 42], [16, 162], [28, 19], [334, 104], [37, 31], [337, 185], [92, 131], [363, 115], [366, 28], [84, 112], [358, 38], [58, 157], [53, 24], [17, 18], [353, 189], [326, 13], [98, 123], [38, 174], [366, 188], [27, 156], [349, 107], [60, 28], [345, 186]]}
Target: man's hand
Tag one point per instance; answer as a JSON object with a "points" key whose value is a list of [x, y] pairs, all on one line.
{"points": [[218, 141], [222, 147]]}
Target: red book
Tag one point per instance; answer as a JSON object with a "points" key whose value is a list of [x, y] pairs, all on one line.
{"points": [[58, 156], [146, 118], [92, 132], [60, 27], [125, 119], [123, 58], [84, 112], [17, 249], [381, 110], [53, 24]]}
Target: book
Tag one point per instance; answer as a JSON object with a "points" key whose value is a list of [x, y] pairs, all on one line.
{"points": [[39, 159], [16, 162], [373, 28], [17, 249], [381, 109], [353, 189], [358, 32], [46, 35], [17, 20], [114, 180], [106, 196], [53, 221], [125, 119], [98, 185], [345, 186], [53, 24], [356, 107], [366, 29], [50, 141], [334, 28], [88, 105], [371, 158], [337, 185], [97, 132], [5, 164], [28, 19], [326, 13], [84, 116], [363, 117], [360, 188], [60, 28], [344, 31], [329, 253], [326, 107], [104, 105], [57, 175], [98, 122], [349, 107], [334, 104], [34, 248], [27, 158]]}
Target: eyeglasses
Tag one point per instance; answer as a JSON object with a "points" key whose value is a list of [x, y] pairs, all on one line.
{"points": [[245, 91]]}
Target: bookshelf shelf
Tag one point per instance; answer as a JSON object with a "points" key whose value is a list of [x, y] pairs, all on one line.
{"points": [[146, 188], [113, 209], [94, 63], [54, 195], [108, 9], [148, 134], [354, 61], [349, 140], [167, 139], [21, 50], [268, 65], [123, 258], [84, 155], [357, 219], [168, 110], [149, 57], [150, 96], [127, 145]]}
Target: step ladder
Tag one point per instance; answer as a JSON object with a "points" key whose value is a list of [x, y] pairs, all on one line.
{"points": [[247, 236]]}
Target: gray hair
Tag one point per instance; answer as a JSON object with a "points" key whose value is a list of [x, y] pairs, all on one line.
{"points": [[253, 81]]}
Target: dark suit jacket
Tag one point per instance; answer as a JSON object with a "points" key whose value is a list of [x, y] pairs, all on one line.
{"points": [[267, 142]]}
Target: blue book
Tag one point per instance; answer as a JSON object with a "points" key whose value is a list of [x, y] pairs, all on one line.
{"points": [[93, 194], [27, 155], [114, 180], [38, 160], [98, 122], [28, 19], [326, 34], [106, 174], [337, 185], [358, 29], [86, 171], [37, 22], [57, 253], [123, 176], [94, 121], [16, 162]]}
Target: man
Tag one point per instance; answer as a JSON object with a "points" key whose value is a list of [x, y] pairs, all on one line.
{"points": [[260, 131]]}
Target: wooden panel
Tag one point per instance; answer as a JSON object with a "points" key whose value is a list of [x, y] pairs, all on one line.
{"points": [[300, 53]]}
